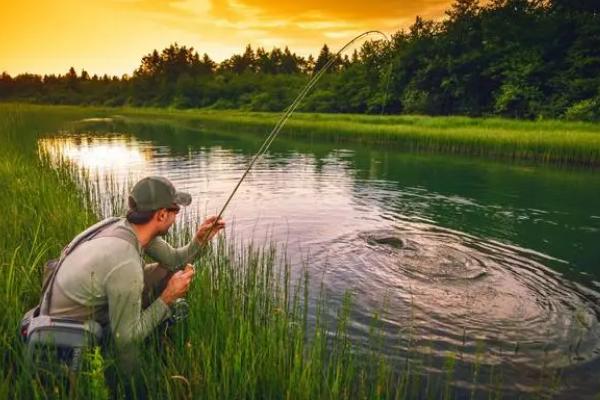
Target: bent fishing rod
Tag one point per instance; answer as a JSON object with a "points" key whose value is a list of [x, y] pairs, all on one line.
{"points": [[287, 114]]}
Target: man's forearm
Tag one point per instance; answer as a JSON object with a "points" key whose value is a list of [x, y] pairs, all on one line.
{"points": [[170, 257]]}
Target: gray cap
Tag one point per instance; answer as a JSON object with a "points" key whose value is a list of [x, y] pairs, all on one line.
{"points": [[154, 192]]}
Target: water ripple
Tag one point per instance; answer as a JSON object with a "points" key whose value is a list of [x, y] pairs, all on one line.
{"points": [[457, 288]]}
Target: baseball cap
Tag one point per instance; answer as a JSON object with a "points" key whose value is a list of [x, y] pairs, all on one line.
{"points": [[154, 192]]}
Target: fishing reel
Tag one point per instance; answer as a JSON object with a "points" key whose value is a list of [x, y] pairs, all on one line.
{"points": [[180, 310]]}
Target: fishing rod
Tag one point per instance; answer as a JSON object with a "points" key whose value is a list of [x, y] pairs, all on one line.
{"points": [[287, 114]]}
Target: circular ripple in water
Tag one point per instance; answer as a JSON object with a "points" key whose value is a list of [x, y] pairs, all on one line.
{"points": [[450, 285]]}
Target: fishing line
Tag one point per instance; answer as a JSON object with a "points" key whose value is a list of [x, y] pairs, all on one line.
{"points": [[288, 113]]}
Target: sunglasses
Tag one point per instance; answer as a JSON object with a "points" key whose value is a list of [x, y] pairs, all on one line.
{"points": [[174, 208]]}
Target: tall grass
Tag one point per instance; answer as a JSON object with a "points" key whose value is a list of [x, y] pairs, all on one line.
{"points": [[41, 210], [556, 142], [250, 333]]}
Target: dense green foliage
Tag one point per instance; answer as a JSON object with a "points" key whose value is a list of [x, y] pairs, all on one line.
{"points": [[514, 58]]}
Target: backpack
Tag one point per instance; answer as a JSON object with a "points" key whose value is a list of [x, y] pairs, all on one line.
{"points": [[40, 330]]}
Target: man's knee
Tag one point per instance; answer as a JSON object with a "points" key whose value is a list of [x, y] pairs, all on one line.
{"points": [[156, 278]]}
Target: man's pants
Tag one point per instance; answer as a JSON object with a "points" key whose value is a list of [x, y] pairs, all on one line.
{"points": [[156, 278]]}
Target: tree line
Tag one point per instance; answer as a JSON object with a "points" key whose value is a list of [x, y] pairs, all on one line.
{"points": [[514, 58]]}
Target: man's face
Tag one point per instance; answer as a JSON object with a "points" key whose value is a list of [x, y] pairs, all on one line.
{"points": [[166, 219]]}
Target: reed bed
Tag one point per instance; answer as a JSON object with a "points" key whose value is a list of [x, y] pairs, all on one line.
{"points": [[554, 142], [251, 332]]}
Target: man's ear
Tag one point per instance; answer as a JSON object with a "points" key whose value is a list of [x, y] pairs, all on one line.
{"points": [[160, 215]]}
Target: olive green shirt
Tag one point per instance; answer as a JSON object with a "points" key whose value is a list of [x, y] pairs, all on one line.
{"points": [[103, 279]]}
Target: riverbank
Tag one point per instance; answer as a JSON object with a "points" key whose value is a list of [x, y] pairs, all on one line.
{"points": [[555, 142], [552, 141], [42, 210]]}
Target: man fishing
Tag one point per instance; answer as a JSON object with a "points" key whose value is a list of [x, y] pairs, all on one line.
{"points": [[104, 278], [101, 277]]}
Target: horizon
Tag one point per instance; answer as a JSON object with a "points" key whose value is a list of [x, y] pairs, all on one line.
{"points": [[111, 37]]}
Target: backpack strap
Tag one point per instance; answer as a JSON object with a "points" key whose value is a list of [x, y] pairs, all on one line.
{"points": [[104, 228], [118, 232]]}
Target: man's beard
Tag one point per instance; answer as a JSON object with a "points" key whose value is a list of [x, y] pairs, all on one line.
{"points": [[164, 232]]}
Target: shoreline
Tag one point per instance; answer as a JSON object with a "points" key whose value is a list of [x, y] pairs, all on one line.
{"points": [[546, 142]]}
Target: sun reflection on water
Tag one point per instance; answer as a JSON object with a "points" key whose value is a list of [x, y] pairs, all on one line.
{"points": [[112, 163], [115, 155]]}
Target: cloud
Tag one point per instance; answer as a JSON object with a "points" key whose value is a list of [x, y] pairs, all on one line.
{"points": [[358, 11], [111, 35], [162, 7], [225, 25]]}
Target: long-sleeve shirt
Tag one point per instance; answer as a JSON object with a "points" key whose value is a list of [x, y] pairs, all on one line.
{"points": [[103, 279]]}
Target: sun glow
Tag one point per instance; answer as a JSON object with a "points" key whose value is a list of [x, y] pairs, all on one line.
{"points": [[120, 156], [111, 36]]}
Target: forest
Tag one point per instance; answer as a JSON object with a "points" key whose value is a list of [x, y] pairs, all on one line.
{"points": [[527, 59]]}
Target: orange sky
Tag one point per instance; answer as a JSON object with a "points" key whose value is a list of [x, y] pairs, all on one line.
{"points": [[111, 36]]}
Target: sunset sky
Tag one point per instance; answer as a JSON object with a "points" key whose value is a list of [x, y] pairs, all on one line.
{"points": [[111, 36]]}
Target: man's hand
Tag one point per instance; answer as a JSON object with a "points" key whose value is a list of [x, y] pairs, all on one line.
{"points": [[178, 285], [207, 231]]}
